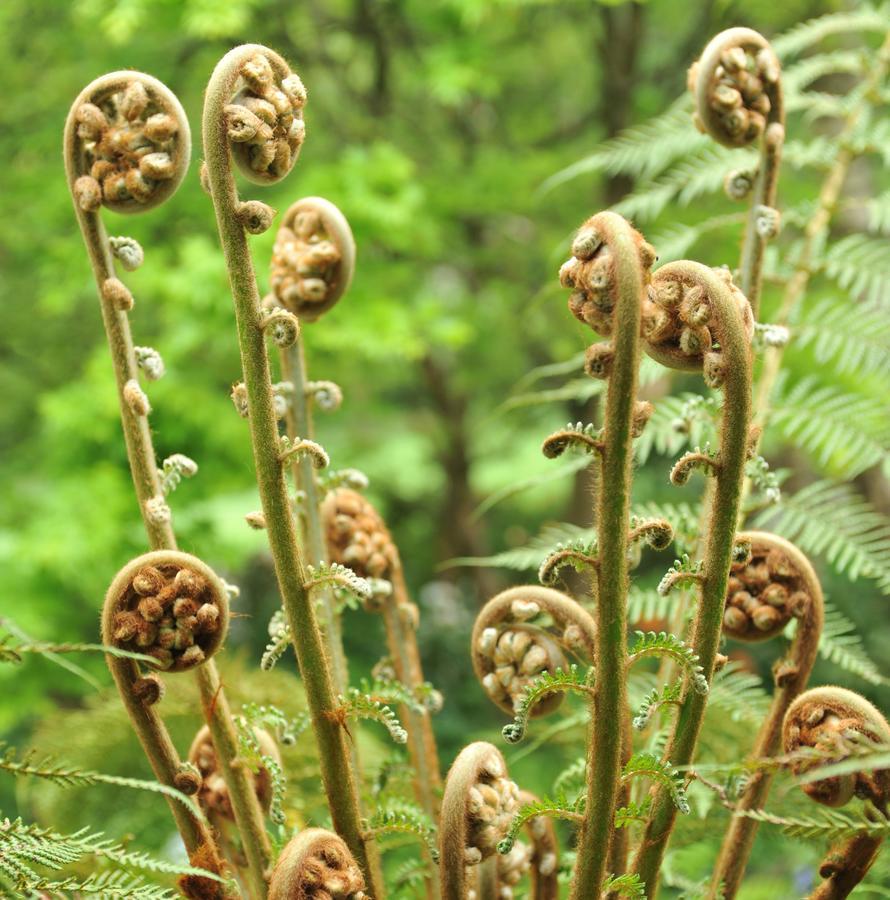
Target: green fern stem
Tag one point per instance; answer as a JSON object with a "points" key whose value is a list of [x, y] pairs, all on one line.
{"points": [[149, 726], [299, 425], [609, 706], [816, 230], [334, 757], [724, 509], [791, 679]]}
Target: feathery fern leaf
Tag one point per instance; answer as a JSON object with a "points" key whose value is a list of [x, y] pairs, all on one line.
{"points": [[651, 643], [861, 265], [575, 679], [841, 645], [645, 765], [551, 808]]}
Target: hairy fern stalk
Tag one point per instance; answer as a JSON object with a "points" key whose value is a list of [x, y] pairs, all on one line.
{"points": [[637, 664]]}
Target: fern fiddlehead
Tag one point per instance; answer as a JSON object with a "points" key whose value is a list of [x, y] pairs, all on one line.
{"points": [[609, 272], [317, 863], [127, 147], [775, 584], [825, 719], [738, 96], [253, 115], [172, 607], [684, 295]]}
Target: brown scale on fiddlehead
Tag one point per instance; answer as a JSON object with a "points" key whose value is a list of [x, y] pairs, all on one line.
{"points": [[316, 865], [213, 793], [739, 100], [132, 144], [168, 605], [772, 585], [313, 259], [522, 633], [830, 720], [478, 806]]}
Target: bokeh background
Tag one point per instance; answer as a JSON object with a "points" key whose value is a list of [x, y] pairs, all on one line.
{"points": [[435, 127]]}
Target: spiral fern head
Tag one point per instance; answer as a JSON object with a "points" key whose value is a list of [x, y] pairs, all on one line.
{"points": [[774, 584], [829, 719], [264, 118], [316, 865], [590, 272], [213, 793], [736, 87], [167, 605], [509, 649], [127, 143], [313, 259], [357, 536], [680, 330]]}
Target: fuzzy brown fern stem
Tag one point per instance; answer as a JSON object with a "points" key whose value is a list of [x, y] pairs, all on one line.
{"points": [[739, 100], [265, 155], [609, 270], [312, 267], [477, 807], [127, 147], [777, 583], [693, 307], [825, 719]]}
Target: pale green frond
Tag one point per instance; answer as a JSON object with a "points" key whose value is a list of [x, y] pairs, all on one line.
{"points": [[866, 18], [842, 645], [861, 265]]}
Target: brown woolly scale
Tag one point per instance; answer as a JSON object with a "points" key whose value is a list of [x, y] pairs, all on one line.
{"points": [[590, 274], [830, 719], [357, 536], [736, 84], [678, 325], [491, 804], [313, 258], [316, 865], [512, 868], [509, 651], [132, 145], [168, 605], [264, 120], [765, 592], [214, 794]]}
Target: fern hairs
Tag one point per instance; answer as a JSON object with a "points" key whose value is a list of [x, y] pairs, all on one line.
{"points": [[127, 147], [253, 77]]}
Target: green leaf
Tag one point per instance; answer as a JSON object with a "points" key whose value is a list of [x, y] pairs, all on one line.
{"points": [[575, 679], [840, 644], [645, 765], [661, 643], [629, 885], [861, 265], [866, 18], [551, 808]]}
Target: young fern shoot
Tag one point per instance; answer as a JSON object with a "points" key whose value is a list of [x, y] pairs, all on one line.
{"points": [[609, 272], [692, 311], [252, 77], [765, 592], [738, 98], [127, 147]]}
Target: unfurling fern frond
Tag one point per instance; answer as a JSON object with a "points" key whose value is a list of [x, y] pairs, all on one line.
{"points": [[832, 520], [578, 436], [400, 817], [628, 885], [577, 555], [341, 577], [661, 643], [633, 812], [362, 706], [286, 729], [645, 765], [550, 808], [654, 700], [575, 679], [682, 573], [250, 751], [279, 641]]}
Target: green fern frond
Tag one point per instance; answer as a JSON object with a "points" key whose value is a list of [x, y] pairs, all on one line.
{"points": [[678, 421], [861, 265], [804, 72], [682, 573], [739, 694], [359, 705], [675, 241], [651, 643], [550, 808], [578, 389], [633, 812], [572, 779], [286, 729], [682, 516], [279, 641], [668, 694], [578, 555], [826, 824], [338, 576], [645, 765], [628, 885], [400, 817], [571, 366], [832, 520], [250, 752], [852, 339], [844, 431], [643, 605], [575, 679], [866, 18], [841, 645], [529, 556], [390, 691]]}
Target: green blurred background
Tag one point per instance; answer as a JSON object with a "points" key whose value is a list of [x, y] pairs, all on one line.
{"points": [[433, 126]]}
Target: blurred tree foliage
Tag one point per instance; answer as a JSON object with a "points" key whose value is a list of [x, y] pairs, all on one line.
{"points": [[433, 126]]}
